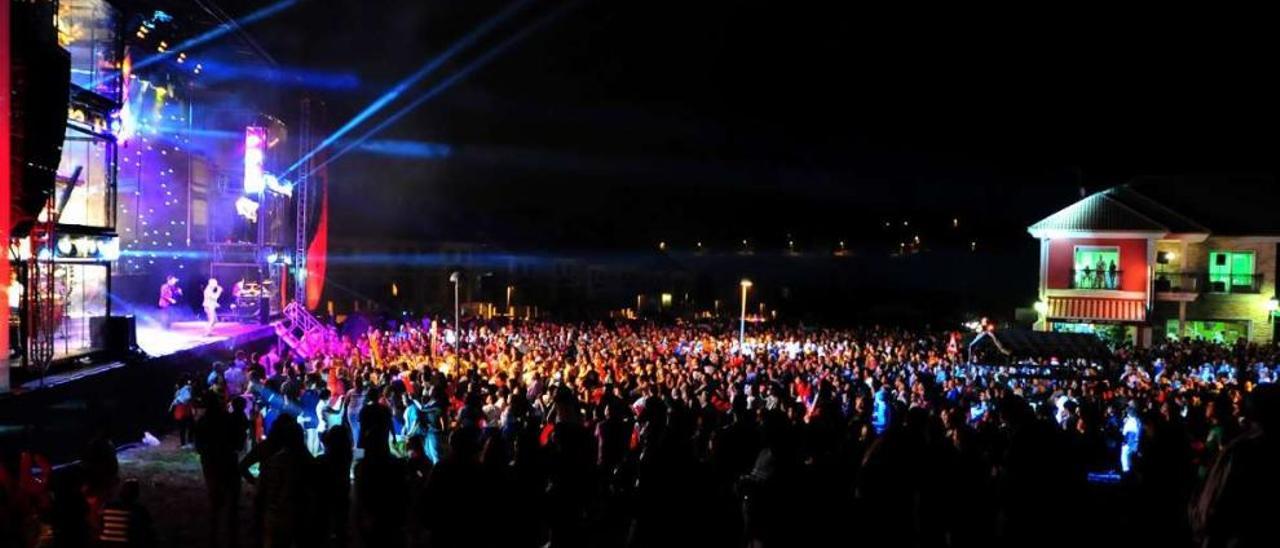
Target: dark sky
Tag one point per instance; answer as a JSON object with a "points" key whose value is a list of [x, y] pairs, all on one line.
{"points": [[623, 123]]}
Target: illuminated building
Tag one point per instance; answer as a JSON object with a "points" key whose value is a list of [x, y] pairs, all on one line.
{"points": [[1146, 262]]}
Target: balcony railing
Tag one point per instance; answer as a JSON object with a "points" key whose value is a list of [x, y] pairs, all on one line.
{"points": [[1234, 283], [1089, 278], [1199, 282], [1179, 282]]}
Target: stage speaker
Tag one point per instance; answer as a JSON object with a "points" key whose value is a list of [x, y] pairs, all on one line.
{"points": [[114, 334], [41, 89]]}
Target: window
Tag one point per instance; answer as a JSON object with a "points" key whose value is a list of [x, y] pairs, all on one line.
{"points": [[81, 297], [84, 179], [1096, 267], [1112, 334], [1225, 332], [1232, 272]]}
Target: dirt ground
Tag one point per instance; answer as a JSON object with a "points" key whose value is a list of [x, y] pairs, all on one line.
{"points": [[173, 491]]}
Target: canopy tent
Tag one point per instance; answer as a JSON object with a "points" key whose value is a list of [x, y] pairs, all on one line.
{"points": [[1013, 344]]}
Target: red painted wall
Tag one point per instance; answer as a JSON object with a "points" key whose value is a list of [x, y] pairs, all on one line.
{"points": [[4, 188], [1133, 261]]}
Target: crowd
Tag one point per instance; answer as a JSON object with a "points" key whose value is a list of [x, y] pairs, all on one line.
{"points": [[637, 434]]}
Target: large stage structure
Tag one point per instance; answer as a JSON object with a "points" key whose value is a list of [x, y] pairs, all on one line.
{"points": [[125, 177]]}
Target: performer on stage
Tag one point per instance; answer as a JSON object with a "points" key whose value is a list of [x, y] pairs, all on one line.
{"points": [[211, 293], [169, 293]]}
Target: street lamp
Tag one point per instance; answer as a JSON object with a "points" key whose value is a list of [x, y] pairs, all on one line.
{"points": [[742, 320], [456, 277]]}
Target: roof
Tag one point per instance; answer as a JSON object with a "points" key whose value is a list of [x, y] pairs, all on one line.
{"points": [[1023, 343], [1099, 212], [1172, 220], [1214, 204], [1226, 204]]}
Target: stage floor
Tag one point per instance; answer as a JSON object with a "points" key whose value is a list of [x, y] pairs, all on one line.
{"points": [[157, 341]]}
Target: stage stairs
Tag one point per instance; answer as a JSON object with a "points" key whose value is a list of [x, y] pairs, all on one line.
{"points": [[299, 329]]}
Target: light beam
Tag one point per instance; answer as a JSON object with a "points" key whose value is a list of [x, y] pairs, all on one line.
{"points": [[411, 80], [478, 63]]}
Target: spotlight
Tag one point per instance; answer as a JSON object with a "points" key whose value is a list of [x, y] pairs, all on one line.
{"points": [[247, 208], [109, 250]]}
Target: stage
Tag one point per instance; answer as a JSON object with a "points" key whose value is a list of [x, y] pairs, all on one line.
{"points": [[157, 341], [129, 394]]}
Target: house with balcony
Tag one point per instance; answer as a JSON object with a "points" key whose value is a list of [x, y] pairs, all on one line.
{"points": [[1161, 259]]}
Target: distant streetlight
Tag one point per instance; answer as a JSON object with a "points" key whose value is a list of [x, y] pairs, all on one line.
{"points": [[742, 320], [456, 277]]}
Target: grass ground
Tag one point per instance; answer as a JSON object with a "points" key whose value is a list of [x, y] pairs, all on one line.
{"points": [[173, 490]]}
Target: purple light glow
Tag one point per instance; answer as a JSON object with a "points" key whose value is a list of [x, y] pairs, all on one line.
{"points": [[254, 152]]}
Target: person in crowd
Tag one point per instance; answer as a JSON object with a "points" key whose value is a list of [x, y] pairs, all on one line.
{"points": [[381, 481], [333, 490], [285, 494], [219, 439], [126, 522], [181, 409]]}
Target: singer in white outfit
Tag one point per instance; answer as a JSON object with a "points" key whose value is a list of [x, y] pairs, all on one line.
{"points": [[211, 293]]}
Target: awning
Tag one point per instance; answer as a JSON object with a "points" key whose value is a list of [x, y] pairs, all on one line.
{"points": [[1083, 308]]}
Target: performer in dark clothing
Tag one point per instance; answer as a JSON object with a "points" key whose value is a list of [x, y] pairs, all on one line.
{"points": [[169, 293]]}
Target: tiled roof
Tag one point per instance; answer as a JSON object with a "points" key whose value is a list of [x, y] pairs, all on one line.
{"points": [[1156, 211], [1227, 204], [1099, 212], [1224, 205]]}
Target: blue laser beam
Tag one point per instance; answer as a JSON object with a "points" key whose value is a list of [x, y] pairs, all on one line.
{"points": [[215, 33], [411, 80], [462, 73], [216, 71]]}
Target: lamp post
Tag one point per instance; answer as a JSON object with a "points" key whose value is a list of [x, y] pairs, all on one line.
{"points": [[457, 310], [742, 320]]}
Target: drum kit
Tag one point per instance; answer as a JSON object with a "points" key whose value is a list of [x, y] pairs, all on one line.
{"points": [[250, 298]]}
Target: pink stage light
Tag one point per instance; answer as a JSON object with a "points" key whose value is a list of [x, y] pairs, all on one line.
{"points": [[255, 139]]}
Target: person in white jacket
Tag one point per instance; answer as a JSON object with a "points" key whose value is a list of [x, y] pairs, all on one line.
{"points": [[212, 291]]}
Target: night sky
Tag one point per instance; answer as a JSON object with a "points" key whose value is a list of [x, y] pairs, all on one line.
{"points": [[623, 123]]}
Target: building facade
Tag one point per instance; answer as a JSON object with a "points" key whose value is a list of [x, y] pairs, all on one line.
{"points": [[1123, 264]]}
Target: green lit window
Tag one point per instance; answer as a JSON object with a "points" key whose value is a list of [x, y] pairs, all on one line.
{"points": [[1096, 267], [1232, 272], [1225, 332]]}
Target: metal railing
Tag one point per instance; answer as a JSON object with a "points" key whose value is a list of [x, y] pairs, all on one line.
{"points": [[1200, 282], [1234, 283], [1178, 282], [1090, 278]]}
